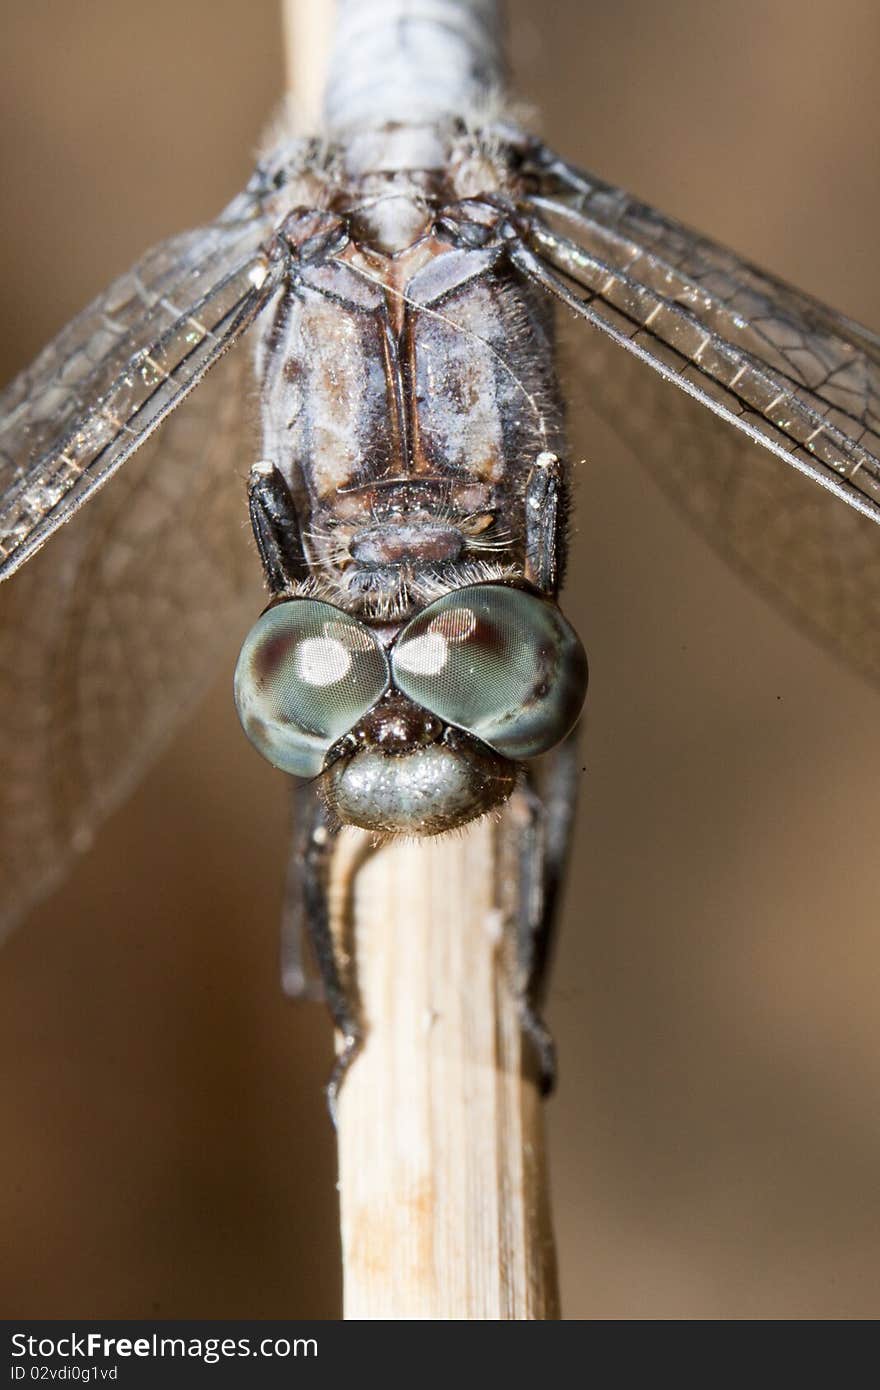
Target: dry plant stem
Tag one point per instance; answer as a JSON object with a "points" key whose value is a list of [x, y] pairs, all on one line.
{"points": [[443, 1193], [308, 31]]}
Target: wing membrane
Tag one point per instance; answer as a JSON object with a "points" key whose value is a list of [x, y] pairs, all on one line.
{"points": [[800, 379], [109, 635], [96, 393], [816, 560], [789, 374]]}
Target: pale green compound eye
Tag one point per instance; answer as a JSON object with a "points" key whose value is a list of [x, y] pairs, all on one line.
{"points": [[306, 674], [502, 664]]}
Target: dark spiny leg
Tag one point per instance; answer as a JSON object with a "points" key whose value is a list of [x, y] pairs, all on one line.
{"points": [[276, 529], [544, 501], [544, 816], [294, 926], [544, 804], [526, 814], [319, 846], [559, 786]]}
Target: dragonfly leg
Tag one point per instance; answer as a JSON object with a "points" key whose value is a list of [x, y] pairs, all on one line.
{"points": [[544, 529], [276, 529], [544, 809], [295, 978], [319, 843]]}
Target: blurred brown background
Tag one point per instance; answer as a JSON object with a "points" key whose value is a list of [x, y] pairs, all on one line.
{"points": [[715, 1142]]}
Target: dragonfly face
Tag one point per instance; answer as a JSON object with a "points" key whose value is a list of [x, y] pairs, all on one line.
{"points": [[416, 728]]}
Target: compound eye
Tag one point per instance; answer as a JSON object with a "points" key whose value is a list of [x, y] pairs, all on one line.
{"points": [[306, 674], [497, 662]]}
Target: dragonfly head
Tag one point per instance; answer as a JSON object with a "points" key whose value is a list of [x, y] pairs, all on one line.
{"points": [[417, 729]]}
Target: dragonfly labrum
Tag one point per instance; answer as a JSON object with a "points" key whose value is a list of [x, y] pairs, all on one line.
{"points": [[393, 287]]}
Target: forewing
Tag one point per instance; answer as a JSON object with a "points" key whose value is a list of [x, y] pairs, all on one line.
{"points": [[111, 632], [817, 560], [787, 374], [800, 379], [95, 394]]}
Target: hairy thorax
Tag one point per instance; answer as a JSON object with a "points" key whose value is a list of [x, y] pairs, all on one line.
{"points": [[408, 375]]}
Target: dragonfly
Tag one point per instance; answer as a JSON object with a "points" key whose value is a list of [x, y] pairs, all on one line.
{"points": [[396, 286]]}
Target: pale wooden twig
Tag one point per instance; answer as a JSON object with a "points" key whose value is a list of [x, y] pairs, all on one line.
{"points": [[443, 1192], [441, 1158], [308, 32]]}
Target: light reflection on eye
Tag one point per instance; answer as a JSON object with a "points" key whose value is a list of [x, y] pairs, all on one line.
{"points": [[455, 624], [321, 661], [306, 674], [423, 656]]}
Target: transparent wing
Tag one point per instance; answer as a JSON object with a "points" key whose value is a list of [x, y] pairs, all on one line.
{"points": [[799, 378], [787, 373], [815, 559], [111, 632], [96, 393]]}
